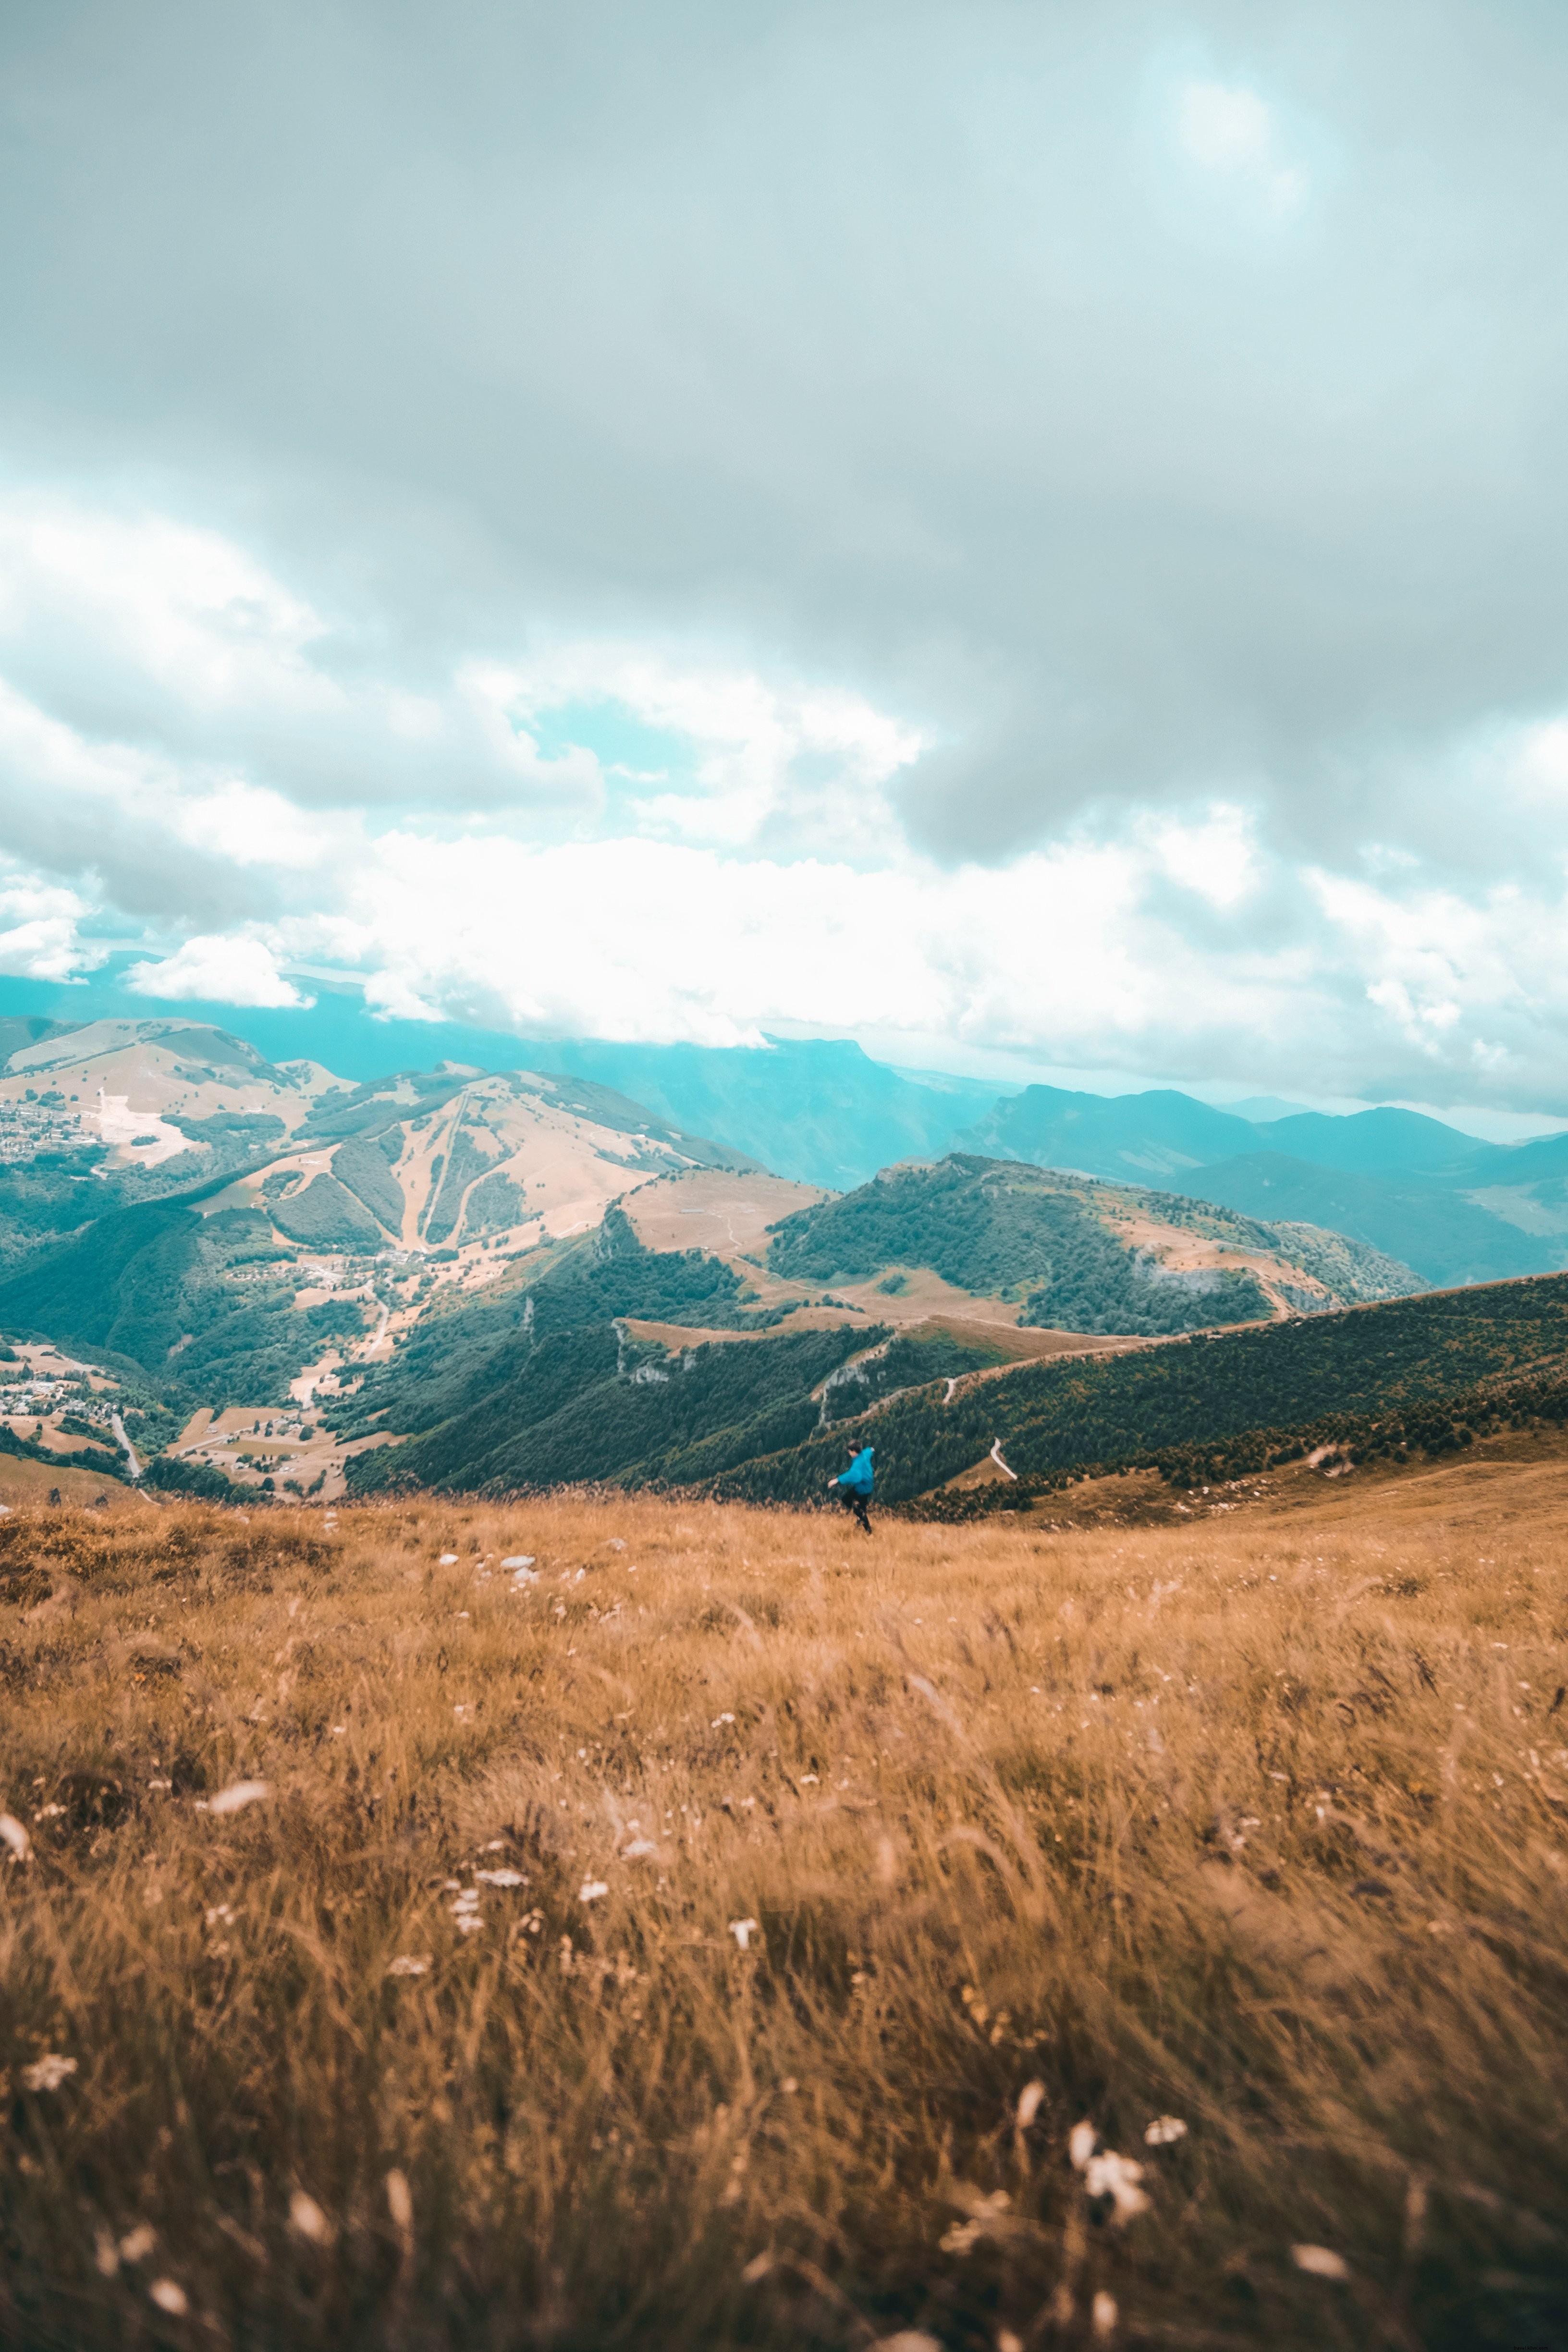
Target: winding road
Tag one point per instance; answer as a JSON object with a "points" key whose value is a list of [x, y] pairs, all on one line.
{"points": [[125, 1443]]}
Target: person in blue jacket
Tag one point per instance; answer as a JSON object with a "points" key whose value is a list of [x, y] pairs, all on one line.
{"points": [[852, 1488]]}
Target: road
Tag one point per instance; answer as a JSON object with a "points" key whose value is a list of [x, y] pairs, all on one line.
{"points": [[125, 1443]]}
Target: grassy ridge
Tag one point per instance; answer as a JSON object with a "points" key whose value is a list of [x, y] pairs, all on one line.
{"points": [[1051, 1418], [1249, 1829], [996, 1227]]}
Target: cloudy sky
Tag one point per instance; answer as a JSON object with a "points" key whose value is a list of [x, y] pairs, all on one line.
{"points": [[1004, 530]]}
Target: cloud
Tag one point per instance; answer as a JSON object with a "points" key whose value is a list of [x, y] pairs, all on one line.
{"points": [[236, 970], [39, 930], [1229, 131], [764, 535]]}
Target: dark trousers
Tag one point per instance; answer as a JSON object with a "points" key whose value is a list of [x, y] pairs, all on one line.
{"points": [[855, 1502]]}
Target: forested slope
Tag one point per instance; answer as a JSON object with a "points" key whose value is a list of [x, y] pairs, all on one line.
{"points": [[1075, 1251], [1108, 1409], [546, 1386]]}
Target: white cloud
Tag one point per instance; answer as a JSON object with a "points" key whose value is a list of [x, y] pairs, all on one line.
{"points": [[236, 969], [1214, 856], [184, 607], [769, 883], [764, 754], [39, 938], [1227, 130], [249, 826]]}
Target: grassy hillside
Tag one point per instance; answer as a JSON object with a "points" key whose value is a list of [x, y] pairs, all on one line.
{"points": [[731, 1932], [539, 1384], [1103, 1409], [1073, 1252]]}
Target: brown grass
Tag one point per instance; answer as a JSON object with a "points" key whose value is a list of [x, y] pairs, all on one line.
{"points": [[1258, 1825]]}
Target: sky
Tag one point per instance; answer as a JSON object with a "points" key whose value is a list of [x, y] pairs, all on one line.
{"points": [[1030, 534]]}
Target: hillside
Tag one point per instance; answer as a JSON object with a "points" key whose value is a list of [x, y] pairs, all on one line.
{"points": [[337, 1218], [591, 1367], [705, 1928], [1048, 1418], [816, 1109], [1398, 1182], [1076, 1256], [823, 1112]]}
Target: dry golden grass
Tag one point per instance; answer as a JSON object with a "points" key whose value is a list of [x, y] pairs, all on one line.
{"points": [[1256, 1824]]}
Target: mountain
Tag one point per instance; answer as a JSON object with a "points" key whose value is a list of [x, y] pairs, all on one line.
{"points": [[593, 1364], [1401, 1142], [1161, 1133], [822, 1112], [325, 1208], [1415, 1370], [1076, 1254], [1446, 1236], [816, 1109], [1454, 1208]]}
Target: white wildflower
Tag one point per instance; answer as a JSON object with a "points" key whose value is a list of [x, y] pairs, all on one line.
{"points": [[1105, 2315], [1165, 2132], [500, 1877], [639, 1847], [137, 2244], [743, 1931], [306, 2217], [15, 1836], [53, 1812], [1029, 2101], [48, 2072], [448, 1559], [468, 1923], [518, 1559], [1116, 2177], [169, 2297], [1080, 2143], [237, 1795], [719, 1719], [1321, 2262], [410, 1964], [591, 1890], [159, 1784]]}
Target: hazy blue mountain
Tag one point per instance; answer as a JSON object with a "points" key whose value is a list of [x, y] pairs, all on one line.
{"points": [[1443, 1237], [1385, 1138], [819, 1109], [823, 1112], [1263, 1107], [1129, 1137]]}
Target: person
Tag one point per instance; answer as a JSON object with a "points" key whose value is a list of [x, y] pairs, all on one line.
{"points": [[853, 1487]]}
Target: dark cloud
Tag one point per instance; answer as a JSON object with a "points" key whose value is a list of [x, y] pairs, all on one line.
{"points": [[899, 341]]}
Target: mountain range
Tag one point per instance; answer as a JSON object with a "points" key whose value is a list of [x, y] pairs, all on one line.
{"points": [[465, 1275]]}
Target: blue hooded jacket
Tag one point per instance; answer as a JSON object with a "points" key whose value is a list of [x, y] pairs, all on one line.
{"points": [[858, 1476]]}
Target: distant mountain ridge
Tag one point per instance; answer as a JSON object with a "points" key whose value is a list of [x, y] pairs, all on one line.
{"points": [[821, 1111]]}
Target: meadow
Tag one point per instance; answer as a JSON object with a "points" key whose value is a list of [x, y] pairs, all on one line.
{"points": [[610, 1921]]}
